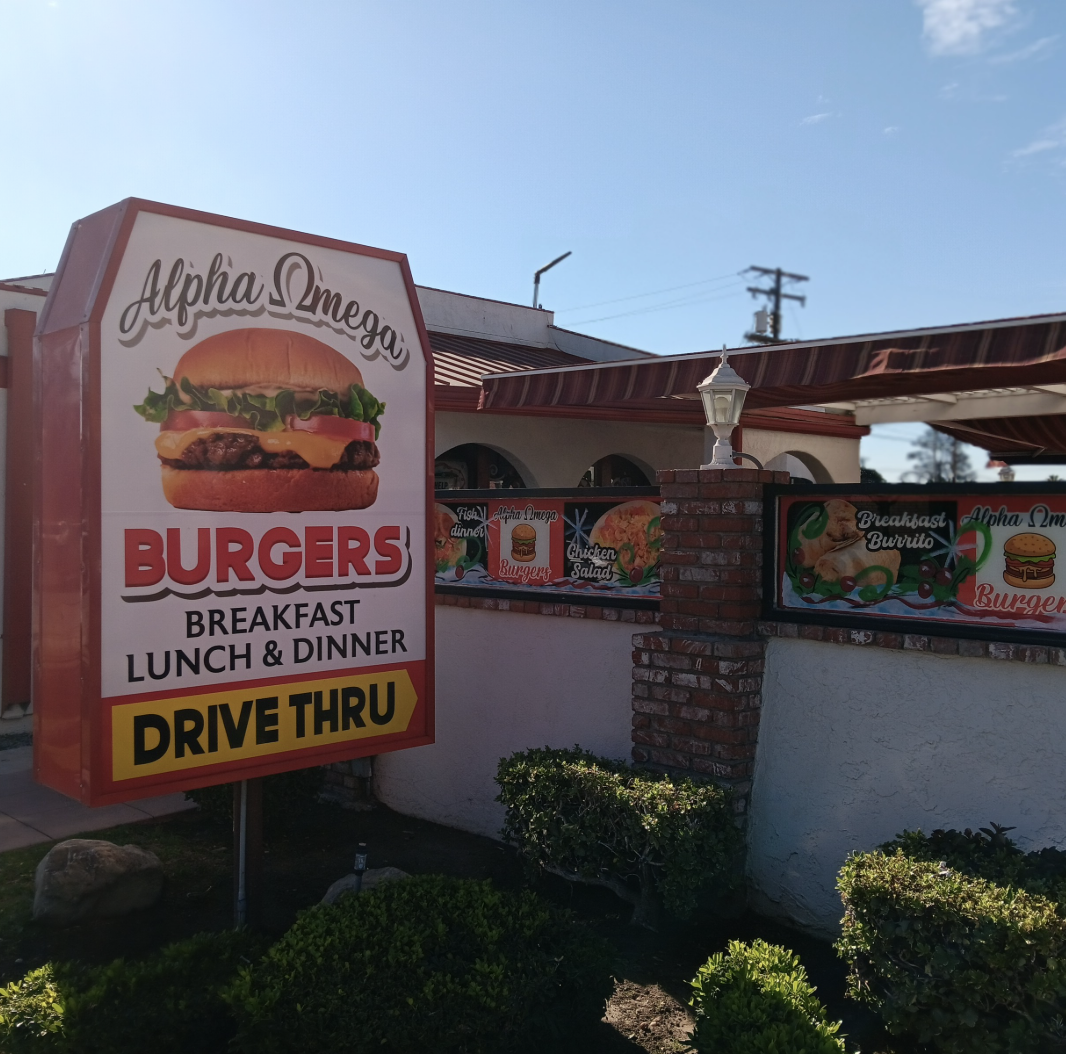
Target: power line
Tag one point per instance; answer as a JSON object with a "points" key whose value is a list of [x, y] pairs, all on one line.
{"points": [[655, 292], [681, 302]]}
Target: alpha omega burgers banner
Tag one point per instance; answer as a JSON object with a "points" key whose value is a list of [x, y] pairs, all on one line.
{"points": [[979, 560], [246, 496]]}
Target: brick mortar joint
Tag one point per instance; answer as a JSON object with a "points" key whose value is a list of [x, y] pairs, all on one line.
{"points": [[931, 644]]}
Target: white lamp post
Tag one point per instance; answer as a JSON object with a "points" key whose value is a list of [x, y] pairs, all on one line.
{"points": [[723, 394]]}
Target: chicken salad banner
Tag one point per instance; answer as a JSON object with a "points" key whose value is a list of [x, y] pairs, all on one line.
{"points": [[584, 544], [972, 560]]}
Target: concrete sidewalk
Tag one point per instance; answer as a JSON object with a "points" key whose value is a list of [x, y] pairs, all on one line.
{"points": [[30, 813]]}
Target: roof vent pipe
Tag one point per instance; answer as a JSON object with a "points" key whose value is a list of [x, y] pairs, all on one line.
{"points": [[537, 274]]}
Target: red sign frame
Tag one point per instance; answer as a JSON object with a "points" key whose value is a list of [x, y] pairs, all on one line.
{"points": [[72, 733]]}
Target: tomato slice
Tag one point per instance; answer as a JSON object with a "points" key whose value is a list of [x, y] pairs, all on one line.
{"points": [[183, 420], [327, 425]]}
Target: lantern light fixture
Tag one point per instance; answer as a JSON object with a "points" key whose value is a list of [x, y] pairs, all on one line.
{"points": [[723, 394]]}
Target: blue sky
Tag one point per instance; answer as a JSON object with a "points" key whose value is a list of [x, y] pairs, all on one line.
{"points": [[908, 155]]}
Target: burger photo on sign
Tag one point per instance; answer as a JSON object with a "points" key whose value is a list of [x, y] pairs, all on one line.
{"points": [[266, 420]]}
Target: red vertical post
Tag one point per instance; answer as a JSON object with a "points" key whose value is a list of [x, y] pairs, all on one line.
{"points": [[18, 509]]}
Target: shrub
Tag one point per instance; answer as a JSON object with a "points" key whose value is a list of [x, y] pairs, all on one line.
{"points": [[429, 963], [32, 1012], [596, 820], [757, 1000], [952, 959], [169, 1002], [283, 794]]}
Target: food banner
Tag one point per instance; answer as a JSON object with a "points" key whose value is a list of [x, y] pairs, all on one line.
{"points": [[584, 545], [975, 561], [247, 497]]}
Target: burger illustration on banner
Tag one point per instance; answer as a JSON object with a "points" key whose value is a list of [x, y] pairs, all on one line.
{"points": [[524, 543], [1029, 561], [266, 420]]}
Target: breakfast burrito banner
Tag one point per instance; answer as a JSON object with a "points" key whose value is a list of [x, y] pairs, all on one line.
{"points": [[980, 561], [572, 542]]}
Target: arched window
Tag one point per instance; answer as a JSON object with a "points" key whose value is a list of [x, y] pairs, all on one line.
{"points": [[472, 467], [615, 471]]}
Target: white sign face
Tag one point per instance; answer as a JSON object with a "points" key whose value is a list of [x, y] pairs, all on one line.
{"points": [[263, 497]]}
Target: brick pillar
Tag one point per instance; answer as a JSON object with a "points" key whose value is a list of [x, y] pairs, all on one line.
{"points": [[697, 683]]}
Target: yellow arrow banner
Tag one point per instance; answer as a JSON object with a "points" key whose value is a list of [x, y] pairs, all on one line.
{"points": [[172, 735]]}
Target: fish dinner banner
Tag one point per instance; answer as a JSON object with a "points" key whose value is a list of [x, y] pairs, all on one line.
{"points": [[974, 561], [236, 466]]}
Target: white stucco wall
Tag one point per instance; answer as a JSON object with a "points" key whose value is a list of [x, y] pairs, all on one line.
{"points": [[507, 682], [856, 744], [838, 456], [555, 452]]}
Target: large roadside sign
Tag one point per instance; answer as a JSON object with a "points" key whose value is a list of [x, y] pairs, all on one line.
{"points": [[232, 558]]}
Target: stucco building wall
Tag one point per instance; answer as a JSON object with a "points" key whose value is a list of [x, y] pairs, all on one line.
{"points": [[856, 744], [829, 458], [556, 451], [507, 682]]}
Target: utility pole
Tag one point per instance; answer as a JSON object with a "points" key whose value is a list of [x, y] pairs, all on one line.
{"points": [[775, 295]]}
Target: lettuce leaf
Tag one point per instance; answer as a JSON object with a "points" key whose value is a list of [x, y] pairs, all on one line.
{"points": [[264, 413]]}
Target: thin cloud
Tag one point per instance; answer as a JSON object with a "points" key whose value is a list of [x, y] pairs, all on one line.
{"points": [[892, 129], [960, 27], [1052, 138], [816, 118], [1037, 50]]}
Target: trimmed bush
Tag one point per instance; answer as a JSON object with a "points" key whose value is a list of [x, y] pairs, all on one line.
{"points": [[595, 820], [757, 1000], [169, 1003], [953, 959], [427, 964]]}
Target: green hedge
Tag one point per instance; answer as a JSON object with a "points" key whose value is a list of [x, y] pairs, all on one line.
{"points": [[426, 964], [757, 1000], [599, 820], [170, 1003], [954, 939]]}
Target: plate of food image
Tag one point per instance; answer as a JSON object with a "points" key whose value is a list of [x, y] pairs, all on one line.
{"points": [[449, 551], [634, 531]]}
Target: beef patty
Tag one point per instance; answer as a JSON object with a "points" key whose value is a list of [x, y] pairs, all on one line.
{"points": [[226, 451]]}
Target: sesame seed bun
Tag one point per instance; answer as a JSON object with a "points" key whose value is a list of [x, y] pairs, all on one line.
{"points": [[1029, 545], [241, 358]]}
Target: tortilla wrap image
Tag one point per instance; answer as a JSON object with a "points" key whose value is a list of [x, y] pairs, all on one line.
{"points": [[850, 561], [840, 529]]}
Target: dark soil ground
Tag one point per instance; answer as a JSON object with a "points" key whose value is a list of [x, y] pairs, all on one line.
{"points": [[305, 852]]}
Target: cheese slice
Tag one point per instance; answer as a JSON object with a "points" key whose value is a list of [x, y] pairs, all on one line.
{"points": [[319, 451]]}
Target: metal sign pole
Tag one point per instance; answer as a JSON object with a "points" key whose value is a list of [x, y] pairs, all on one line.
{"points": [[242, 855]]}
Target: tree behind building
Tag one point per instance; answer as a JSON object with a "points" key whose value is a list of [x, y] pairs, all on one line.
{"points": [[939, 458]]}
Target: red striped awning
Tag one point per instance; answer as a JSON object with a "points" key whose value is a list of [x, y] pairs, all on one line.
{"points": [[1006, 353], [1015, 440]]}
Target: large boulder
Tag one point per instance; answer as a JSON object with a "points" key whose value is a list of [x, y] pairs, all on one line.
{"points": [[86, 878]]}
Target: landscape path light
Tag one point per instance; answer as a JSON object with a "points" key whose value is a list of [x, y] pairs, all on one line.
{"points": [[723, 394], [360, 865]]}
